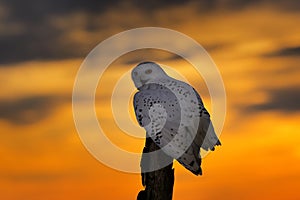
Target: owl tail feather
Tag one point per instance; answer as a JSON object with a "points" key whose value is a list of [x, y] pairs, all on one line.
{"points": [[191, 159]]}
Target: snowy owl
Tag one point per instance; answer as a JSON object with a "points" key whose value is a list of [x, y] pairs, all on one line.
{"points": [[173, 115]]}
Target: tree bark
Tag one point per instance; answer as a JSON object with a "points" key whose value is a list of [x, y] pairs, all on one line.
{"points": [[158, 184]]}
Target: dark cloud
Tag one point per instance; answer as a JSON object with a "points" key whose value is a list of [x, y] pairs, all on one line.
{"points": [[152, 5], [286, 100], [289, 5], [28, 110], [27, 10], [39, 39], [32, 47], [289, 51], [241, 4], [138, 56]]}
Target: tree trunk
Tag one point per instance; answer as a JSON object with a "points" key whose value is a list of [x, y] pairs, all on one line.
{"points": [[158, 184]]}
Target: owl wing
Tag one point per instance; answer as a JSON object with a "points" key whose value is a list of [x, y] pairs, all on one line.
{"points": [[171, 120], [157, 110], [206, 137], [196, 124]]}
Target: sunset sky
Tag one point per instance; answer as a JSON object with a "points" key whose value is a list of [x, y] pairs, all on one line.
{"points": [[255, 44]]}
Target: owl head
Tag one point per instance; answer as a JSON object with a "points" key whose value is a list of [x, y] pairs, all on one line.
{"points": [[147, 72]]}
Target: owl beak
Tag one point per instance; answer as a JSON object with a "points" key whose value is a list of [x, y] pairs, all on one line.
{"points": [[143, 81]]}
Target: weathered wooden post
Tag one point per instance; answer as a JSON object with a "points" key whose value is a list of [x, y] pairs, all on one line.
{"points": [[159, 183]]}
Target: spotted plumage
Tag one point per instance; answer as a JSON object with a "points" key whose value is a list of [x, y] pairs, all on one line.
{"points": [[173, 115]]}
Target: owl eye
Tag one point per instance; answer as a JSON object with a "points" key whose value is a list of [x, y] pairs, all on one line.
{"points": [[148, 71]]}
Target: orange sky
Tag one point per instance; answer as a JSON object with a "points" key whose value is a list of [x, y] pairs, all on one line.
{"points": [[256, 49]]}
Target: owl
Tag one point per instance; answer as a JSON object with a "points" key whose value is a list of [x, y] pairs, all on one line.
{"points": [[173, 115]]}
